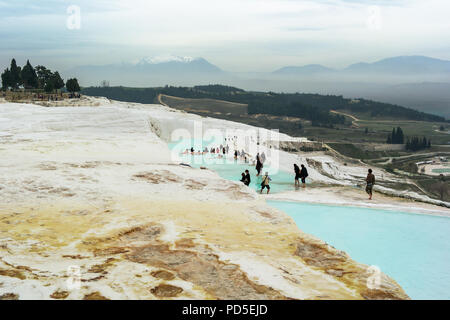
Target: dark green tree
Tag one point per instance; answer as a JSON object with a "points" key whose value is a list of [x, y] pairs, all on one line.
{"points": [[408, 144], [424, 143], [44, 75], [29, 77], [49, 87], [416, 144], [400, 138], [72, 85], [58, 82], [6, 79], [389, 139], [396, 137], [15, 80]]}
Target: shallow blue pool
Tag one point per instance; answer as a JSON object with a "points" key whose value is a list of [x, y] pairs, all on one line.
{"points": [[414, 249], [231, 170]]}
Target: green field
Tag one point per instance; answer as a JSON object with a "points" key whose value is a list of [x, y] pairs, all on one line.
{"points": [[208, 105]]}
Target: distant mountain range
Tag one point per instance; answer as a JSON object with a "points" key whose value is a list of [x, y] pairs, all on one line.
{"points": [[413, 81], [182, 66], [407, 65], [308, 69]]}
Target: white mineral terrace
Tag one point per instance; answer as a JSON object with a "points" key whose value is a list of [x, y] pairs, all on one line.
{"points": [[96, 188]]}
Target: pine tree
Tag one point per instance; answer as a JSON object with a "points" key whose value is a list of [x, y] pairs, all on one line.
{"points": [[400, 137], [394, 136], [15, 80], [6, 79], [28, 76], [424, 143]]}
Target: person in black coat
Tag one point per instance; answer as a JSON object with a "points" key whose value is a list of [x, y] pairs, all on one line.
{"points": [[303, 175], [297, 175], [247, 178]]}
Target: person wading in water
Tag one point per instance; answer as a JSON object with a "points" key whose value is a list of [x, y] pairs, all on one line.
{"points": [[247, 177], [265, 183], [259, 165], [303, 175], [297, 175], [370, 183]]}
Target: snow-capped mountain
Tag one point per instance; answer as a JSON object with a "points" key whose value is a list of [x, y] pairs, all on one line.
{"points": [[165, 59], [150, 71]]}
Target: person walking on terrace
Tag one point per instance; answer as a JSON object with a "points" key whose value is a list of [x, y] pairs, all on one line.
{"points": [[265, 183], [370, 180]]}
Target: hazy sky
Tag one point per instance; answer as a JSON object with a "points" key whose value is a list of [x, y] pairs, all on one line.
{"points": [[236, 35]]}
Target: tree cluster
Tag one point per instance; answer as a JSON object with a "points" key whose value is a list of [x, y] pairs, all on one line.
{"points": [[416, 144], [34, 78], [396, 137]]}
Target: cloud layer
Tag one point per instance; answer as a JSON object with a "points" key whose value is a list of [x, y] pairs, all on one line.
{"points": [[237, 35]]}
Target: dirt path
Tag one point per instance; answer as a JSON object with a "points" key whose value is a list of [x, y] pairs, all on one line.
{"points": [[192, 99], [161, 102], [345, 114]]}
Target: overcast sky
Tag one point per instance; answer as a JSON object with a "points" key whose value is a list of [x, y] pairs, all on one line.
{"points": [[236, 35]]}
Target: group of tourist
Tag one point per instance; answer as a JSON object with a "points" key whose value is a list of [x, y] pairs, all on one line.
{"points": [[301, 173], [220, 151], [246, 178], [74, 95], [48, 97]]}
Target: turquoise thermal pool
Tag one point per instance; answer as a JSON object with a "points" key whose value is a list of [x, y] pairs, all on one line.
{"points": [[414, 249]]}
